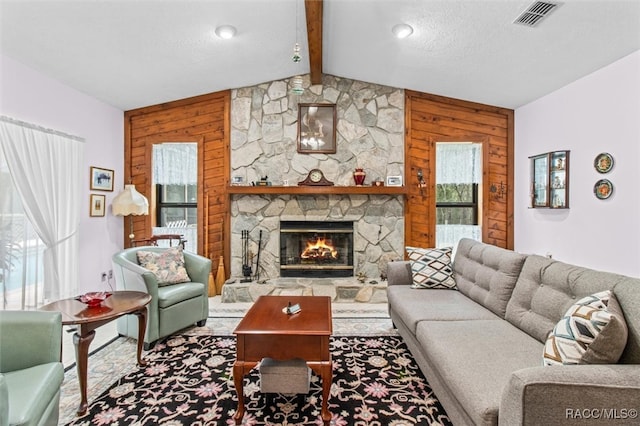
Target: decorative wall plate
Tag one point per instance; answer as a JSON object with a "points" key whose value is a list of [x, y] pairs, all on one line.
{"points": [[603, 162], [603, 189]]}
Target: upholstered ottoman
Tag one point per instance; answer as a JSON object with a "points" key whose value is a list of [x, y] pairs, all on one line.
{"points": [[284, 377]]}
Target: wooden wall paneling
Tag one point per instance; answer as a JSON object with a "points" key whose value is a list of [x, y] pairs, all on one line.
{"points": [[201, 210], [177, 113], [408, 224], [202, 119], [510, 175], [485, 205], [430, 118]]}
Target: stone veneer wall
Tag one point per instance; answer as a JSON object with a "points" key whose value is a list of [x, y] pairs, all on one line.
{"points": [[369, 134]]}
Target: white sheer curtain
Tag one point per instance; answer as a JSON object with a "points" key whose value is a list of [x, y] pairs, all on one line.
{"points": [[21, 250], [175, 163], [46, 169], [458, 162]]}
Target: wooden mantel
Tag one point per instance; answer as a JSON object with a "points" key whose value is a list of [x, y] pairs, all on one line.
{"points": [[316, 190]]}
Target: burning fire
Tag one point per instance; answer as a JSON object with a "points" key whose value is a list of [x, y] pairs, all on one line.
{"points": [[319, 250]]}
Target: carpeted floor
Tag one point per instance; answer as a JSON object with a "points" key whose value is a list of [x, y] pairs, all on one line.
{"points": [[188, 382]]}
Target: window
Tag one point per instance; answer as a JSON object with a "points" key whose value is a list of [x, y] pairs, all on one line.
{"points": [[177, 205], [457, 204]]}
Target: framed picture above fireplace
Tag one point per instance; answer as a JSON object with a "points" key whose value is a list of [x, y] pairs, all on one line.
{"points": [[317, 128]]}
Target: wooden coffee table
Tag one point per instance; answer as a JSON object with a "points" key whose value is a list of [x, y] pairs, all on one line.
{"points": [[88, 319], [267, 332]]}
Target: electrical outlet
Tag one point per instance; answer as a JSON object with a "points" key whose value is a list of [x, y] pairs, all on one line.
{"points": [[110, 276], [104, 276]]}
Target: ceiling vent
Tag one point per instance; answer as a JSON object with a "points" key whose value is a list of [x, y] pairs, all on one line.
{"points": [[535, 13]]}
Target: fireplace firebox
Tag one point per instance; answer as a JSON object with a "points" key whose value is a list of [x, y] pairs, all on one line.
{"points": [[316, 249]]}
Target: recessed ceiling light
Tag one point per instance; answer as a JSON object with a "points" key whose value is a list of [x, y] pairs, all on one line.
{"points": [[226, 31], [402, 30]]}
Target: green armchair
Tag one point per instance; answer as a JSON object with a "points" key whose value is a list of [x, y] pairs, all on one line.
{"points": [[173, 307], [31, 370]]}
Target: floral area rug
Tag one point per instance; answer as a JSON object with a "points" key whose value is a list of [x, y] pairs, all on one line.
{"points": [[188, 381]]}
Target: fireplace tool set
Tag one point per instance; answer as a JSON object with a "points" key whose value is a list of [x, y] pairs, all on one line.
{"points": [[247, 258]]}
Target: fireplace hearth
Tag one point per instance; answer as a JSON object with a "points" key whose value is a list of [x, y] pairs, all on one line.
{"points": [[316, 249]]}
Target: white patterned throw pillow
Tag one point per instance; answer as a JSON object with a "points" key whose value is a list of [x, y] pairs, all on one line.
{"points": [[592, 331], [167, 266], [431, 268]]}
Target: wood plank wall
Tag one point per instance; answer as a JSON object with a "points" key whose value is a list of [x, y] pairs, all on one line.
{"points": [[430, 119], [202, 119]]}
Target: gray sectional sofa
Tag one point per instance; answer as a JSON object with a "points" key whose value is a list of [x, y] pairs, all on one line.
{"points": [[481, 345]]}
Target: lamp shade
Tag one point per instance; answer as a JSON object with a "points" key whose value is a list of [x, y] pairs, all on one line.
{"points": [[130, 202]]}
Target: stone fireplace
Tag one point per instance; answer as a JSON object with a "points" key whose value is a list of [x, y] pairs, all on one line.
{"points": [[369, 135], [316, 249], [378, 227]]}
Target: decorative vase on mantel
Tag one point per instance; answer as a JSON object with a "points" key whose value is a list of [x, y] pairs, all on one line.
{"points": [[358, 176]]}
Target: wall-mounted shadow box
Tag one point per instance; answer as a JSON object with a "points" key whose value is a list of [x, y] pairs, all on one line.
{"points": [[550, 180]]}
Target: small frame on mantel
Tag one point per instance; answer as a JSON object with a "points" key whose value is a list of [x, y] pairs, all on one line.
{"points": [[394, 180], [316, 128]]}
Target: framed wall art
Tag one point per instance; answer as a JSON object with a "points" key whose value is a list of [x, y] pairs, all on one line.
{"points": [[317, 128], [101, 179], [97, 205]]}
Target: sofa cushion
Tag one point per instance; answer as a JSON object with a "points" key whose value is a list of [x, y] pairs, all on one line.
{"points": [[431, 268], [486, 273], [167, 266], [545, 290], [592, 331], [476, 359], [413, 306]]}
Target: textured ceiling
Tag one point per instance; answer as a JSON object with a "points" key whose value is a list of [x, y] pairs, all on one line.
{"points": [[137, 53]]}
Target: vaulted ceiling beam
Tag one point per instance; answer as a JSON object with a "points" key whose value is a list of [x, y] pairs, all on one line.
{"points": [[313, 9]]}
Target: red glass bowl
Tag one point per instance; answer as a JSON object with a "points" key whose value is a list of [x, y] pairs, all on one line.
{"points": [[93, 298]]}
